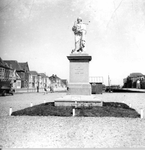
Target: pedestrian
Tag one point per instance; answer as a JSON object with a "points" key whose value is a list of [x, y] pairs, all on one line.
{"points": [[45, 90], [51, 89], [138, 84], [37, 89]]}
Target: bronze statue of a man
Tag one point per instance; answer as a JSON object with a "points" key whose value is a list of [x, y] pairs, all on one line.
{"points": [[79, 30]]}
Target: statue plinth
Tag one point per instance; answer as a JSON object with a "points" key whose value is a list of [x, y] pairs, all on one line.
{"points": [[79, 89], [79, 74]]}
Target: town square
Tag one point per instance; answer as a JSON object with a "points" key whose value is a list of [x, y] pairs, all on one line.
{"points": [[66, 132], [71, 74]]}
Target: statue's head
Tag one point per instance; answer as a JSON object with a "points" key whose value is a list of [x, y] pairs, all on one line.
{"points": [[79, 19]]}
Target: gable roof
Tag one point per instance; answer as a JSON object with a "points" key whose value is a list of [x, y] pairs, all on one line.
{"points": [[24, 66], [3, 64], [33, 72], [64, 81], [42, 75], [14, 64], [54, 78]]}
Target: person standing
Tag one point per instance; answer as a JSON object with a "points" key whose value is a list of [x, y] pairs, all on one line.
{"points": [[138, 84], [45, 89], [37, 88], [51, 89]]}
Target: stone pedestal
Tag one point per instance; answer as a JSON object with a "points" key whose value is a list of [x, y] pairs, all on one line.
{"points": [[79, 92], [79, 74]]}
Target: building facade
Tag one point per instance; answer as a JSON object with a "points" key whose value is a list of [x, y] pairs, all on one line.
{"points": [[33, 79], [132, 81], [25, 67], [20, 74]]}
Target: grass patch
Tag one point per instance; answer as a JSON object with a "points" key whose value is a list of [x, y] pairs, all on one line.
{"points": [[109, 109]]}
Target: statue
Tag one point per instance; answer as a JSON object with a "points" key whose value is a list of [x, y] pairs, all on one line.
{"points": [[79, 30]]}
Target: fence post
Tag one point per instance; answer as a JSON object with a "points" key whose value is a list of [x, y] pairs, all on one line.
{"points": [[141, 114], [73, 112], [10, 111], [31, 104]]}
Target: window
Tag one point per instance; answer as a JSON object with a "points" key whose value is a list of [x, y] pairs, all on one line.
{"points": [[2, 72]]}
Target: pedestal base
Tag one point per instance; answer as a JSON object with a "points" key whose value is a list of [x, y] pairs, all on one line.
{"points": [[78, 101], [79, 89]]}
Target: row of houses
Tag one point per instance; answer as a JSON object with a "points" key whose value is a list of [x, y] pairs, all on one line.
{"points": [[22, 77]]}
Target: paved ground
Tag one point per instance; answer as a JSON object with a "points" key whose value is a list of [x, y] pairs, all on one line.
{"points": [[75, 132], [20, 101]]}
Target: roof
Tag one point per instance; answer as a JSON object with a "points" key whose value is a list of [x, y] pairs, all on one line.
{"points": [[24, 66], [14, 64], [134, 75], [33, 72], [64, 81], [3, 64], [42, 75], [54, 78]]}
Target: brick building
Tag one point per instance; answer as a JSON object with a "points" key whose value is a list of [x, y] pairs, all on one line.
{"points": [[131, 80]]}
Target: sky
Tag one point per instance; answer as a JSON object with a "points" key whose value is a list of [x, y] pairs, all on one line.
{"points": [[40, 32]]}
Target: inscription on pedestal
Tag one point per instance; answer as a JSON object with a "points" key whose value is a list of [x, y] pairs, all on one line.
{"points": [[79, 70]]}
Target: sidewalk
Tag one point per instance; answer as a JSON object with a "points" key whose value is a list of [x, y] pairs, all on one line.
{"points": [[34, 90], [28, 90]]}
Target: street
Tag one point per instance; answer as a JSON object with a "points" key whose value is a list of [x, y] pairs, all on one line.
{"points": [[21, 101]]}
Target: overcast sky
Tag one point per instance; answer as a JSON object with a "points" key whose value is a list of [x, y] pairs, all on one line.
{"points": [[40, 32]]}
